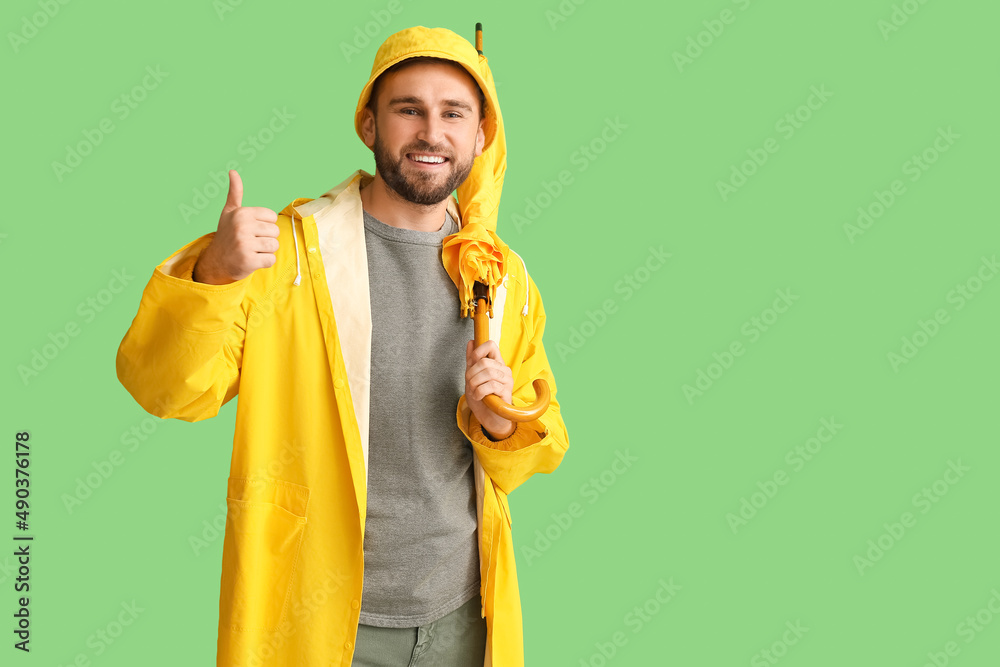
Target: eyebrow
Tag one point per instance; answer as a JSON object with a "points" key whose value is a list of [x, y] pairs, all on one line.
{"points": [[410, 99]]}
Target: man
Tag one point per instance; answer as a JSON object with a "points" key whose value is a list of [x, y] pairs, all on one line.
{"points": [[362, 527]]}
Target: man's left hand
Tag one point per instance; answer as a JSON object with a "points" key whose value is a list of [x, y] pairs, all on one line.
{"points": [[486, 373]]}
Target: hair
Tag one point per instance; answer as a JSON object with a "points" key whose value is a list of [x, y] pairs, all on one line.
{"points": [[372, 99]]}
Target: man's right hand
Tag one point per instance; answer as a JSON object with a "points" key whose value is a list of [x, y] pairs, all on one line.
{"points": [[245, 241]]}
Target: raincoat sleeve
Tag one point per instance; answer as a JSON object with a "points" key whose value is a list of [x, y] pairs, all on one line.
{"points": [[181, 356], [535, 446]]}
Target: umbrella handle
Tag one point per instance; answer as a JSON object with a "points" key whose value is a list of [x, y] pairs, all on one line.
{"points": [[496, 404]]}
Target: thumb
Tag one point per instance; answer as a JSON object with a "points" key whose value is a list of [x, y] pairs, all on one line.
{"points": [[235, 197]]}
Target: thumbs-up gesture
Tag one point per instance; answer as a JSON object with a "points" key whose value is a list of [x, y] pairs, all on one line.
{"points": [[245, 241]]}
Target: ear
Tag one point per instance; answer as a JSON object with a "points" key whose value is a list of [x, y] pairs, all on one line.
{"points": [[481, 137], [368, 128]]}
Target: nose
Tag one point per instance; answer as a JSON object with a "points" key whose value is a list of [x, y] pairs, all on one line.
{"points": [[431, 130]]}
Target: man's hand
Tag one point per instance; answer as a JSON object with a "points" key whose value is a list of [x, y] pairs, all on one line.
{"points": [[486, 373], [245, 241]]}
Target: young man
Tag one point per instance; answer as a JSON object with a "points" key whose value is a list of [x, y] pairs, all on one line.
{"points": [[368, 517]]}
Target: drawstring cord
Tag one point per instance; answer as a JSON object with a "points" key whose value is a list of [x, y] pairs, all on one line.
{"points": [[298, 272]]}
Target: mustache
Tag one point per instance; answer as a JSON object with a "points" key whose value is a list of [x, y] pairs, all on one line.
{"points": [[426, 149]]}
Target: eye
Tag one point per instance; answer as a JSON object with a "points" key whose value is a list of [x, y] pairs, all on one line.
{"points": [[403, 111]]}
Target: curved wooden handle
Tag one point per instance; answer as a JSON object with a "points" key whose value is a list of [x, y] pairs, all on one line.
{"points": [[494, 402]]}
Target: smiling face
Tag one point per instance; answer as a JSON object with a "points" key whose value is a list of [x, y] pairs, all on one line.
{"points": [[427, 131]]}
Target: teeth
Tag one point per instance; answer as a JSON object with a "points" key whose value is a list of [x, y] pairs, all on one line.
{"points": [[427, 158]]}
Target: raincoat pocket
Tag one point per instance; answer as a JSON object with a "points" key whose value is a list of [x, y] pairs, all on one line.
{"points": [[265, 523]]}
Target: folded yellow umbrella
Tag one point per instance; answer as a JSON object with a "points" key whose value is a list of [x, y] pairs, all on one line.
{"points": [[476, 253], [475, 257]]}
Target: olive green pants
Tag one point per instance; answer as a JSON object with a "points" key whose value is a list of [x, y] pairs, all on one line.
{"points": [[456, 640]]}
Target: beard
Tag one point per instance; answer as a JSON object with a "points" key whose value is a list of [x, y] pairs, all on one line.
{"points": [[419, 187]]}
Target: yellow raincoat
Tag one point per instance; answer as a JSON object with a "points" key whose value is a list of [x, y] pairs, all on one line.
{"points": [[294, 341]]}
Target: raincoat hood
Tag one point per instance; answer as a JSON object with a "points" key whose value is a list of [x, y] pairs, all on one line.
{"points": [[436, 43]]}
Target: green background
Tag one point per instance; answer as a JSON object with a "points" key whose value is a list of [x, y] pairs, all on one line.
{"points": [[562, 77]]}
